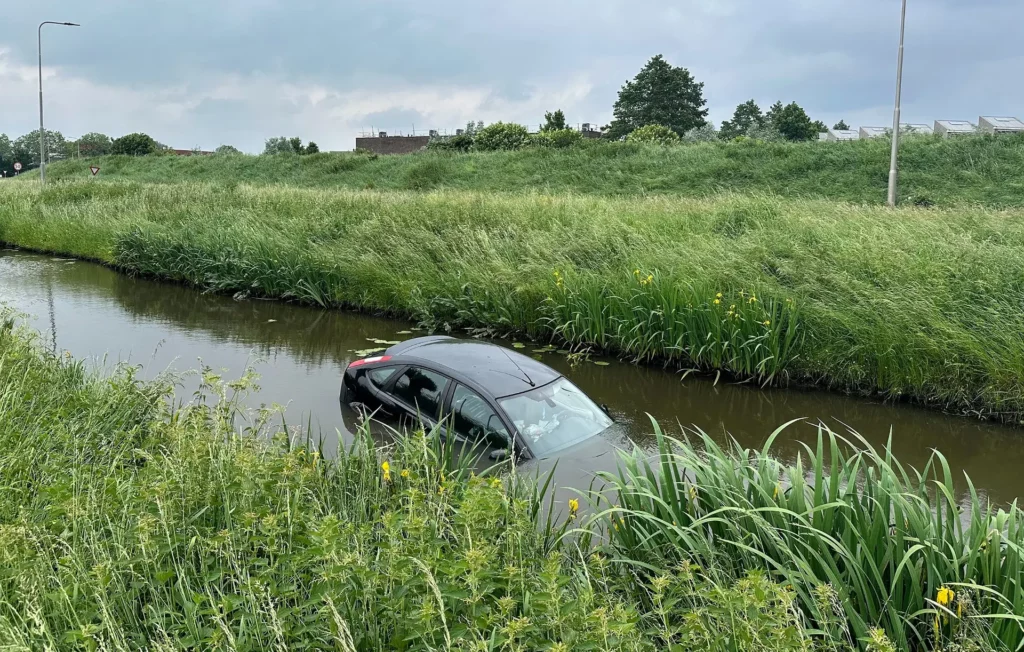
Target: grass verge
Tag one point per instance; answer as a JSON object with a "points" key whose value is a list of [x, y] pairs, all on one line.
{"points": [[982, 170], [125, 526], [920, 304]]}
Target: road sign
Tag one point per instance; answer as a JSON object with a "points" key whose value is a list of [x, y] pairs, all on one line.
{"points": [[95, 170], [17, 167]]}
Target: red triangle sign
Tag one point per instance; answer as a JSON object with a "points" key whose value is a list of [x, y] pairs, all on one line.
{"points": [[95, 170]]}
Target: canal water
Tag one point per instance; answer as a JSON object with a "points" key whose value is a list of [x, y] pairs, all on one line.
{"points": [[300, 354]]}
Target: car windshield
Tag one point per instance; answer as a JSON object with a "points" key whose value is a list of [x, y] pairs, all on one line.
{"points": [[555, 416]]}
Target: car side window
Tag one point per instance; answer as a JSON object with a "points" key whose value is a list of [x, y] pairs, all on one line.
{"points": [[422, 389], [379, 377], [474, 419]]}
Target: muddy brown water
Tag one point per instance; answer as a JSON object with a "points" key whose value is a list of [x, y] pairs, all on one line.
{"points": [[300, 353]]}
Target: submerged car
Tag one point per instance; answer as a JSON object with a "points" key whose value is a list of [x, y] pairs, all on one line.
{"points": [[480, 393]]}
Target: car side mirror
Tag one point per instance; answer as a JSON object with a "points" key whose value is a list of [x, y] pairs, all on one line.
{"points": [[499, 454]]}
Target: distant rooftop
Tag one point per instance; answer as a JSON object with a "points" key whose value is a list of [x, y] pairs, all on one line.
{"points": [[873, 132], [843, 134], [919, 128], [958, 126], [993, 123]]}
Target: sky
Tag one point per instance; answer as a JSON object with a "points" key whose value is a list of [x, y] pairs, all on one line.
{"points": [[211, 72]]}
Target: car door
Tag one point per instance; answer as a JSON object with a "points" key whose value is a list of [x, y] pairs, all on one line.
{"points": [[419, 393], [371, 387], [474, 421]]}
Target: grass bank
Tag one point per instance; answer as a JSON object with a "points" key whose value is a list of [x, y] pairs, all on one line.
{"points": [[124, 526], [912, 303], [983, 170]]}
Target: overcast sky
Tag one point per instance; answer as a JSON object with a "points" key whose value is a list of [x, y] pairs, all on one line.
{"points": [[211, 72]]}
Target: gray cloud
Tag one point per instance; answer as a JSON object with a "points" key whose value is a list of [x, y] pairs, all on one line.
{"points": [[201, 72]]}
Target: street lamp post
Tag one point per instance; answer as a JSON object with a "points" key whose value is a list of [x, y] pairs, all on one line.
{"points": [[894, 160], [42, 131]]}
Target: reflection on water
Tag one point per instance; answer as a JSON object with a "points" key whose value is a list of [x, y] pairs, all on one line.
{"points": [[300, 354]]}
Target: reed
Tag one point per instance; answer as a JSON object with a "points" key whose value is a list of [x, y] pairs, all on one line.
{"points": [[862, 540]]}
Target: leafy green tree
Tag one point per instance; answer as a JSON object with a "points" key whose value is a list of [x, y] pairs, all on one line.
{"points": [[26, 148], [6, 155], [554, 121], [500, 136], [227, 150], [311, 148], [137, 144], [704, 134], [820, 127], [747, 116], [296, 144], [278, 145], [473, 127], [792, 122], [653, 134], [93, 144], [841, 126], [660, 94], [460, 143], [558, 138]]}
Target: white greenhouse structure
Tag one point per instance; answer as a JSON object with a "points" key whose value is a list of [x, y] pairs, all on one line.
{"points": [[994, 125], [950, 128], [873, 132]]}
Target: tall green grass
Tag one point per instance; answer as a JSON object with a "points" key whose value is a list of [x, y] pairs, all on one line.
{"points": [[127, 526], [979, 170], [864, 541], [920, 304]]}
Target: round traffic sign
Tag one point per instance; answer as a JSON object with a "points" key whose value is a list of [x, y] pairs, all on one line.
{"points": [[17, 167]]}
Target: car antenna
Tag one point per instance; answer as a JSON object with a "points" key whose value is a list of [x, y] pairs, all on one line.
{"points": [[521, 370]]}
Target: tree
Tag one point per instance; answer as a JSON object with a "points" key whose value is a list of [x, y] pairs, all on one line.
{"points": [[841, 126], [819, 126], [792, 122], [6, 156], [227, 150], [703, 134], [746, 117], [93, 144], [137, 144], [659, 134], [278, 145], [26, 148], [659, 94], [311, 148], [296, 144], [558, 138], [500, 136], [554, 121]]}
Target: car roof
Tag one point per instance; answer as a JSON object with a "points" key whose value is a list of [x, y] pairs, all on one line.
{"points": [[498, 370]]}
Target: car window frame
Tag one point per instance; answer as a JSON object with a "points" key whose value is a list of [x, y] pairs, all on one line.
{"points": [[491, 404], [398, 370], [413, 409], [520, 450]]}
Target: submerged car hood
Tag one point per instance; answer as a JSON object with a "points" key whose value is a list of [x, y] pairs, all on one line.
{"points": [[577, 469]]}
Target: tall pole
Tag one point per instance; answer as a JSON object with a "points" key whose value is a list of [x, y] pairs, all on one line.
{"points": [[42, 130], [894, 160]]}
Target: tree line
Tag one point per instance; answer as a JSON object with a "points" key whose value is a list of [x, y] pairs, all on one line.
{"points": [[25, 149], [666, 95], [662, 104]]}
